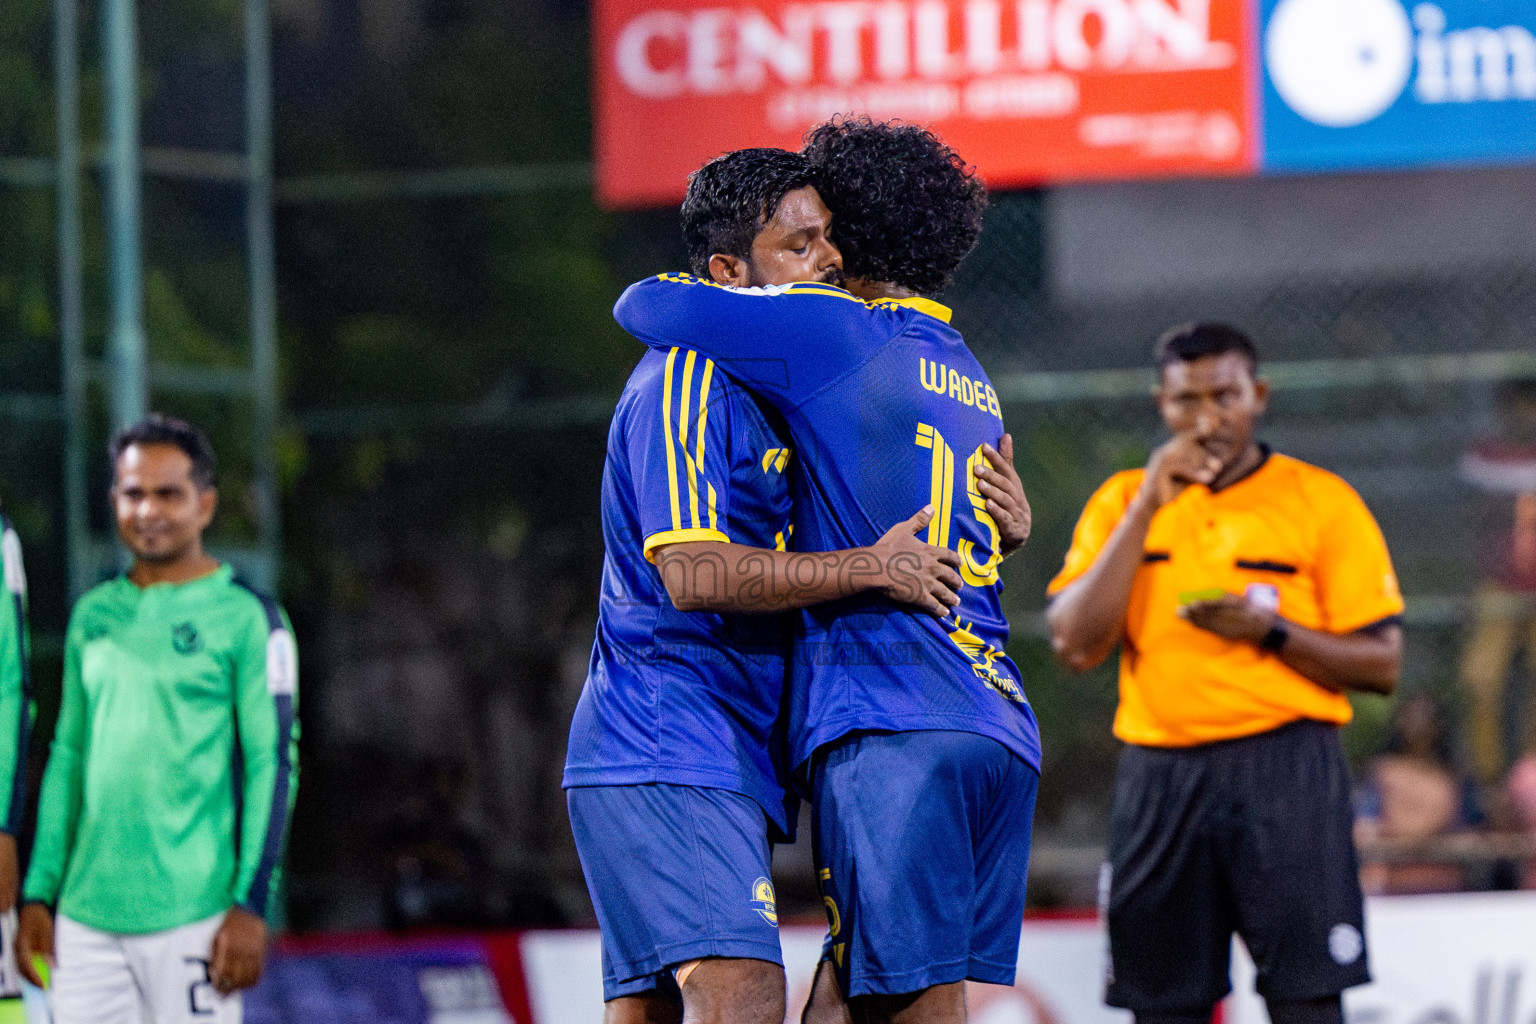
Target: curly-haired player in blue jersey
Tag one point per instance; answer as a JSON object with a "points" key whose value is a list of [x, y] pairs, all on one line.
{"points": [[675, 774], [910, 733]]}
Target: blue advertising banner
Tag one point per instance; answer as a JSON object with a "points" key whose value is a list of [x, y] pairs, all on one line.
{"points": [[1384, 83], [433, 982]]}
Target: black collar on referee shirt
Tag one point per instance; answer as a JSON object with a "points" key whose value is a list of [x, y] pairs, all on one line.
{"points": [[1265, 451]]}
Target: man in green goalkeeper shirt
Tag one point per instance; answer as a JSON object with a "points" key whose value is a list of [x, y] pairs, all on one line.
{"points": [[171, 777]]}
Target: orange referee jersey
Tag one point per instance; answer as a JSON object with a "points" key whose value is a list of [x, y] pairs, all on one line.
{"points": [[1288, 534]]}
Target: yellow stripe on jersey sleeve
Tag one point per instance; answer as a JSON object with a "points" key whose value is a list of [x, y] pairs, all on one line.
{"points": [[682, 438], [709, 372], [666, 427], [660, 540]]}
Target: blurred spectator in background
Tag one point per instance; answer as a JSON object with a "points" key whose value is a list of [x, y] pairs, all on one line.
{"points": [[1413, 792], [1504, 616], [435, 869], [1520, 797]]}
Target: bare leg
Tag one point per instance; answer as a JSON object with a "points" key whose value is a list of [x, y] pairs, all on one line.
{"points": [[651, 1008], [734, 991], [940, 1004], [826, 1005]]}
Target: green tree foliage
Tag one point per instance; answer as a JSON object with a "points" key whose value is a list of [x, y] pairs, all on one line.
{"points": [[509, 293]]}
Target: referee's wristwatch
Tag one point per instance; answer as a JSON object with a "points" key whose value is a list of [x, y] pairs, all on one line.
{"points": [[1279, 633]]}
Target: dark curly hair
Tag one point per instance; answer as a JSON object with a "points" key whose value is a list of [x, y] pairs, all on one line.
{"points": [[158, 428], [731, 198], [905, 207]]}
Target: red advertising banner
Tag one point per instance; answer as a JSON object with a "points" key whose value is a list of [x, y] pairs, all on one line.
{"points": [[1028, 90]]}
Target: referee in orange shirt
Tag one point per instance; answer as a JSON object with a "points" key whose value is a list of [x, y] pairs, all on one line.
{"points": [[1248, 592]]}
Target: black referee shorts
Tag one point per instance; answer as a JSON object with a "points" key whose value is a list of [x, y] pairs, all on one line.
{"points": [[1252, 836]]}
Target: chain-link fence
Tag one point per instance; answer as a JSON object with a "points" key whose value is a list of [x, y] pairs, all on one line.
{"points": [[1390, 379], [449, 368], [443, 548]]}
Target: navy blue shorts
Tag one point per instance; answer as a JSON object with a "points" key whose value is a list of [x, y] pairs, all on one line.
{"points": [[676, 873], [922, 848]]}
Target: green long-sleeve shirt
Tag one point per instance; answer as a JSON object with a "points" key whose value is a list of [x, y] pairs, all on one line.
{"points": [[174, 765], [16, 705]]}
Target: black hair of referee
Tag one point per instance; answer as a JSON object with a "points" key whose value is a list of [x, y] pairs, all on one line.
{"points": [[907, 209], [1189, 342]]}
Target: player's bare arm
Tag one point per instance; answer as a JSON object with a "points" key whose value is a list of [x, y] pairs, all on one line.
{"points": [[10, 874], [1087, 618], [34, 938], [1366, 660], [239, 951], [714, 577]]}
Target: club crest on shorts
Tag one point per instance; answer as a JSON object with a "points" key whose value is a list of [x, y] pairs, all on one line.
{"points": [[186, 639], [764, 903], [1345, 944]]}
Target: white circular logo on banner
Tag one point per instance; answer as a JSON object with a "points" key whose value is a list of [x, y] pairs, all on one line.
{"points": [[1339, 62], [1345, 944]]}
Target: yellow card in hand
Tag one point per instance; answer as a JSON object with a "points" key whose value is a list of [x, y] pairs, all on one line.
{"points": [[1204, 594]]}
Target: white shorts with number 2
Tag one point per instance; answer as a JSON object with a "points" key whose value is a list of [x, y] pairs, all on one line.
{"points": [[158, 978]]}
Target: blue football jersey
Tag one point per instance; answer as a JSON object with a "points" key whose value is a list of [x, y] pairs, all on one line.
{"points": [[689, 698], [888, 410]]}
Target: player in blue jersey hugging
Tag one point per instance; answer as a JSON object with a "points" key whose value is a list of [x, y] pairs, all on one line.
{"points": [[676, 768], [910, 733]]}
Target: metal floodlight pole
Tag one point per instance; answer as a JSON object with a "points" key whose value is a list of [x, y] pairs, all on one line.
{"points": [[261, 260], [72, 371], [130, 393]]}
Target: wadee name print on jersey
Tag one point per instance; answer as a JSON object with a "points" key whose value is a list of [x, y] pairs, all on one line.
{"points": [[942, 380]]}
